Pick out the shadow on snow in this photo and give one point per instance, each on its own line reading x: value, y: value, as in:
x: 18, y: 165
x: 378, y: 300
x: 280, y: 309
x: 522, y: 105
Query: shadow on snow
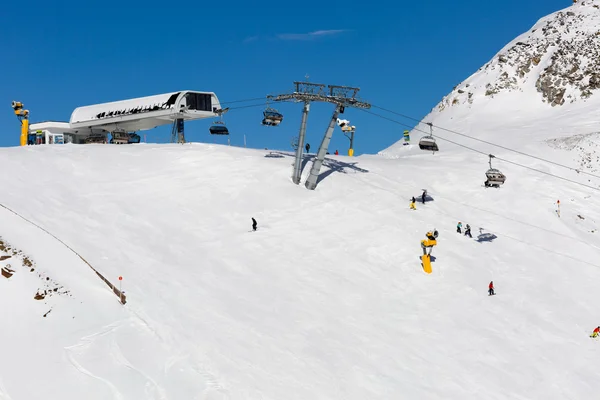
x: 333, y: 165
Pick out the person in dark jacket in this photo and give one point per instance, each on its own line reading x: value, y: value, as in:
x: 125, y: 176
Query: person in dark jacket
x: 423, y: 196
x: 468, y: 231
x: 254, y: 224
x: 307, y: 147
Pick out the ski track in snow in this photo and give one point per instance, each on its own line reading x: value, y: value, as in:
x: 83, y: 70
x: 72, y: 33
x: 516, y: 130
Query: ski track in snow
x: 84, y: 344
x: 213, y: 383
x: 3, y: 392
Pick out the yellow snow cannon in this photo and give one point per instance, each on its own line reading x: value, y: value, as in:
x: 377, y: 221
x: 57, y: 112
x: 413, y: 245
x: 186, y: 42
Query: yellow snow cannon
x: 428, y: 244
x: 23, y: 116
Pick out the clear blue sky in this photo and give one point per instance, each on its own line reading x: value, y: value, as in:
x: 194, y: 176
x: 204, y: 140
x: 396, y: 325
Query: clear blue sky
x: 403, y: 55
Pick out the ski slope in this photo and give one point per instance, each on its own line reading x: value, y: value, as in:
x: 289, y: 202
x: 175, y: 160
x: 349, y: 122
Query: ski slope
x: 327, y: 300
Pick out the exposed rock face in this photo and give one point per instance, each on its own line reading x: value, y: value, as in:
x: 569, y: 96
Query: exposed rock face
x: 559, y: 58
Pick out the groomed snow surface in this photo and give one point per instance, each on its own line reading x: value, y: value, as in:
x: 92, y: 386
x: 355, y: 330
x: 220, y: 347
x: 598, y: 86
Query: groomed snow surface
x: 327, y: 300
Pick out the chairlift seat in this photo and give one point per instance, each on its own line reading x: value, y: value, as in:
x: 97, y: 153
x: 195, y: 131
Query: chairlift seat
x: 428, y: 143
x: 218, y: 128
x: 272, y: 117
x: 494, y: 176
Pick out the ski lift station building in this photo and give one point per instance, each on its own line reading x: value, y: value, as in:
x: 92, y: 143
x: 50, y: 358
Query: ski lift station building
x: 139, y: 114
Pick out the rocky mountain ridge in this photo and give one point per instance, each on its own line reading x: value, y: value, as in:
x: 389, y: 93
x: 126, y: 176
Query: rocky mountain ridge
x: 559, y: 58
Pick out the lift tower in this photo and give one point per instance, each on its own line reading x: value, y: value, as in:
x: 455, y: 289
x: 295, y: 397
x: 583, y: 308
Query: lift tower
x: 23, y: 116
x: 306, y: 92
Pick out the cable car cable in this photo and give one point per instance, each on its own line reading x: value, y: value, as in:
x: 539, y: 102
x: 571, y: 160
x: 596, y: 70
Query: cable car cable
x: 490, y: 143
x: 487, y: 154
x: 243, y: 101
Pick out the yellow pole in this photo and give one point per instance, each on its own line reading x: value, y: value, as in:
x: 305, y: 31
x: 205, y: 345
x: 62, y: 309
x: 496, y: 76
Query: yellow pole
x: 350, y: 152
x: 24, y: 131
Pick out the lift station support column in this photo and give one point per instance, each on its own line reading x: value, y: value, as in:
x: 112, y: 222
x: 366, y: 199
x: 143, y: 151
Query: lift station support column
x: 178, y: 131
x: 311, y: 182
x: 341, y: 96
x: 299, y: 151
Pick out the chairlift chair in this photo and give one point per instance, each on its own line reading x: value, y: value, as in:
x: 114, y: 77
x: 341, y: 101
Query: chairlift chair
x: 494, y: 176
x: 272, y: 117
x: 218, y: 128
x: 427, y: 142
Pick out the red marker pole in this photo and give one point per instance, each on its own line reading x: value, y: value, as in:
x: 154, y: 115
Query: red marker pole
x: 120, y: 291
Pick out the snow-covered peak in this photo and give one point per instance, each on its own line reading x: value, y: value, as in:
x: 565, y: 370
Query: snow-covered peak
x: 559, y: 57
x: 551, y: 72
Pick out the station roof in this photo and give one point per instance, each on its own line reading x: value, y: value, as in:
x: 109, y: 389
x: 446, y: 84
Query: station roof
x: 148, y: 112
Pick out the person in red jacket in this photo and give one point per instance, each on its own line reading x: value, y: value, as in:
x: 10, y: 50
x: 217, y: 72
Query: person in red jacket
x: 596, y: 332
x: 491, y: 288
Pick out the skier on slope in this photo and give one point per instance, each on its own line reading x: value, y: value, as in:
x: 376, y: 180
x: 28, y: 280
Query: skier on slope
x: 423, y: 196
x: 412, y: 203
x: 459, y: 227
x: 254, y: 224
x: 491, y: 288
x: 468, y: 231
x: 596, y: 332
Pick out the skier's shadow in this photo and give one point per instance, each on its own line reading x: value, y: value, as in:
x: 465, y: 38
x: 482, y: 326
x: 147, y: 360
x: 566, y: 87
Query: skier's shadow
x: 427, y: 198
x: 486, y: 237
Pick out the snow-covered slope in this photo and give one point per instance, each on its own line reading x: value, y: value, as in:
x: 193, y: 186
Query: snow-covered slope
x: 551, y: 72
x: 327, y: 300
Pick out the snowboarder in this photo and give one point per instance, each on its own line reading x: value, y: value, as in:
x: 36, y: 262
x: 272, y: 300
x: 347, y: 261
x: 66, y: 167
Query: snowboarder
x: 468, y: 231
x: 412, y: 203
x: 423, y: 196
x: 307, y: 147
x: 596, y: 332
x: 459, y: 227
x: 254, y: 224
x: 491, y: 288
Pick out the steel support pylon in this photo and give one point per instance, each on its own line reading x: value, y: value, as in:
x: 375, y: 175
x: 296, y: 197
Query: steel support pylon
x: 311, y: 182
x: 296, y: 176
